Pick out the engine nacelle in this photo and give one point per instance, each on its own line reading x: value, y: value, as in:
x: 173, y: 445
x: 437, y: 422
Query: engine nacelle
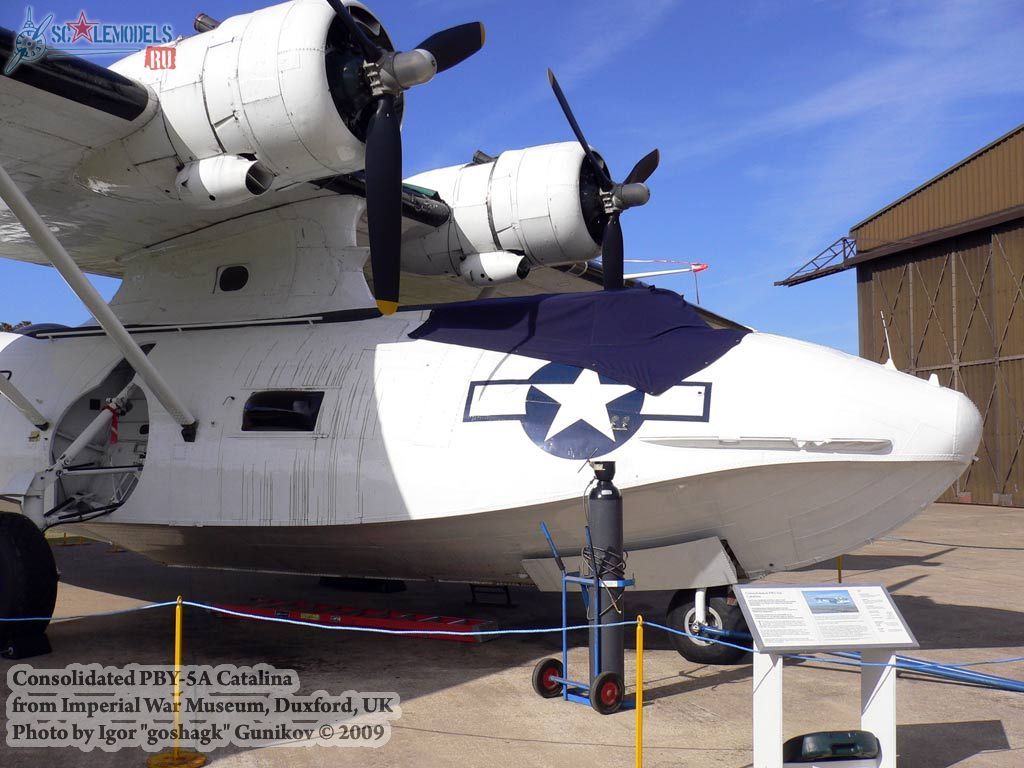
x: 224, y: 180
x: 540, y: 202
x: 281, y: 85
x: 484, y: 269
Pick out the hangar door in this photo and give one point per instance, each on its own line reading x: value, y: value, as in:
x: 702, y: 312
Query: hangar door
x: 955, y: 308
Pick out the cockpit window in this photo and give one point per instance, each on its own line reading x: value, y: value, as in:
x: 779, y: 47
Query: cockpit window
x: 282, y: 411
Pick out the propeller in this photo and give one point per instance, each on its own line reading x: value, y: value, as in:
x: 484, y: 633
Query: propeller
x: 616, y: 197
x: 388, y: 74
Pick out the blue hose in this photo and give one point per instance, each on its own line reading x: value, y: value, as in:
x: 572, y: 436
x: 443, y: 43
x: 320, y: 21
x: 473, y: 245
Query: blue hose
x: 934, y: 669
x: 732, y: 635
x: 906, y: 663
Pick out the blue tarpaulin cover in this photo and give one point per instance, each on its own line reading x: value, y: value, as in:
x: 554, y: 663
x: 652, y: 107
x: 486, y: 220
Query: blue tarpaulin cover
x: 648, y: 338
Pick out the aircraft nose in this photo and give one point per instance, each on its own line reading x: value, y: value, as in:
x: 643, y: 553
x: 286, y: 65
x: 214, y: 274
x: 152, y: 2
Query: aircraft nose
x: 818, y: 393
x: 967, y: 428
x: 927, y: 420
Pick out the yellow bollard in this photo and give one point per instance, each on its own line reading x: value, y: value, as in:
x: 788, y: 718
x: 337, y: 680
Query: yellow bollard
x: 177, y: 758
x: 177, y: 676
x: 639, y: 691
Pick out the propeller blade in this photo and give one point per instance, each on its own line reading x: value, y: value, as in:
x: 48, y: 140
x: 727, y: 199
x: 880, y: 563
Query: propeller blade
x: 371, y: 51
x: 612, y: 255
x: 642, y: 170
x: 384, y: 202
x: 602, y: 174
x: 456, y: 44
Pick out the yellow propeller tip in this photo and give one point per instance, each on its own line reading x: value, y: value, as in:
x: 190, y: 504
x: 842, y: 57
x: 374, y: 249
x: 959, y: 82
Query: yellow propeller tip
x: 387, y: 307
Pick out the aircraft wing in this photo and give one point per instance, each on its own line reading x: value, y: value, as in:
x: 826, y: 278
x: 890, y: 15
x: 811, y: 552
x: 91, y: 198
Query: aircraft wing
x: 57, y: 111
x: 53, y: 113
x: 421, y: 290
x: 418, y: 290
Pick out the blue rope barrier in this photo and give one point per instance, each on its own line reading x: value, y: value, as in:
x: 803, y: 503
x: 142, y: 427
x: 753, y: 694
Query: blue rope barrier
x: 63, y: 619
x: 935, y: 669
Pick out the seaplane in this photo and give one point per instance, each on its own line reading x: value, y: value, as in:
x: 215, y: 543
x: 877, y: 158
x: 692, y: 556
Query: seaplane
x: 316, y: 366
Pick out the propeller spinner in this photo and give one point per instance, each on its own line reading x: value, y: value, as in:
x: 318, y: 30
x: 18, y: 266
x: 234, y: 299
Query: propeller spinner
x: 388, y: 73
x: 616, y: 197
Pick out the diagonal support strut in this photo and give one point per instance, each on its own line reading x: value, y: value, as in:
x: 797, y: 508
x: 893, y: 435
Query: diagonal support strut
x: 21, y: 403
x: 90, y: 297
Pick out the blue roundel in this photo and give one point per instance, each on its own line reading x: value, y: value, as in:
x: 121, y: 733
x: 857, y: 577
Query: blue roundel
x: 576, y: 413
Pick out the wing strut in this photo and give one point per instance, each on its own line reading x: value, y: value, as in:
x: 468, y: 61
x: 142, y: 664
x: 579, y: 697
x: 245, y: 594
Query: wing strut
x: 22, y: 403
x: 75, y: 278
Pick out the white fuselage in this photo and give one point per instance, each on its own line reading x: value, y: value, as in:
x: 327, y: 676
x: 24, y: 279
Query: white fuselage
x: 428, y: 460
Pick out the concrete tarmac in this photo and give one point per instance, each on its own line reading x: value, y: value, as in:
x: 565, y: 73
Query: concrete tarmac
x: 956, y: 573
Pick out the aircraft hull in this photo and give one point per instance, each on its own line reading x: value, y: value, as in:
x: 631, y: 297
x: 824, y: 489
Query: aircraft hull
x: 777, y: 517
x: 438, y: 461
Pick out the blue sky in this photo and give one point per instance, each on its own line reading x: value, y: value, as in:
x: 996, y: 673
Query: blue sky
x: 780, y: 124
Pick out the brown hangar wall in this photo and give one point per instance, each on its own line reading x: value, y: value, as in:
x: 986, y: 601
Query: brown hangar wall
x: 984, y: 187
x: 944, y: 265
x: 955, y: 308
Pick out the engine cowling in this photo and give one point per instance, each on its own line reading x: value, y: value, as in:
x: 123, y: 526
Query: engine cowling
x: 282, y: 85
x: 541, y: 203
x: 224, y: 180
x: 484, y: 269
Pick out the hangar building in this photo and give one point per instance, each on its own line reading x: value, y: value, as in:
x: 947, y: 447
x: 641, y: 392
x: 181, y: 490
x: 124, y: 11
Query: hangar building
x: 943, y: 268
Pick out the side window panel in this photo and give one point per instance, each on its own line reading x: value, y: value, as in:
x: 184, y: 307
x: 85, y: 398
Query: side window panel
x: 282, y: 411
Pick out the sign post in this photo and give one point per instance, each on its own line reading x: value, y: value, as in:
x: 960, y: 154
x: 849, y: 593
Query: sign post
x: 878, y: 701
x: 809, y: 619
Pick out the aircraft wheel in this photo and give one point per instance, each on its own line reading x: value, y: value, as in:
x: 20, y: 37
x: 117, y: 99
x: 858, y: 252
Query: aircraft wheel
x: 682, y: 615
x: 606, y: 693
x: 543, y: 673
x: 28, y: 586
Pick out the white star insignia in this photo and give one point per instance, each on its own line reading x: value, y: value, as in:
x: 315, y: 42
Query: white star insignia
x: 586, y: 400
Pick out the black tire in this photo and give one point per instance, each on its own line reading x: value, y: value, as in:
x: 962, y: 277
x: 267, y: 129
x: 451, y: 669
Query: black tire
x: 722, y: 613
x: 542, y: 674
x: 28, y: 586
x: 606, y: 693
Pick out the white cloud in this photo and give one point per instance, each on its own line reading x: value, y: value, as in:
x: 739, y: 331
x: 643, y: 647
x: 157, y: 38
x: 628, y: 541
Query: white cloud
x: 611, y: 31
x: 942, y: 54
x: 633, y: 21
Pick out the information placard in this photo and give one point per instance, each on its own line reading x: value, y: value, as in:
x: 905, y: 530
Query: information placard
x: 792, y: 617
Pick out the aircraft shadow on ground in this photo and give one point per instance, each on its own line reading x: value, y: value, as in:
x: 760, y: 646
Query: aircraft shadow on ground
x: 334, y: 661
x: 865, y: 564
x: 941, y: 745
x: 938, y: 625
x: 947, y: 626
x: 328, y: 660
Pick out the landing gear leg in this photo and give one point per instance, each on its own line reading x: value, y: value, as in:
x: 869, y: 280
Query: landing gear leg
x: 720, y: 611
x: 28, y: 587
x: 700, y: 605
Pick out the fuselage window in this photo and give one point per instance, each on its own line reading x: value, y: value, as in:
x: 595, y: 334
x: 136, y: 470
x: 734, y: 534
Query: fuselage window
x: 282, y: 411
x: 233, y: 279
